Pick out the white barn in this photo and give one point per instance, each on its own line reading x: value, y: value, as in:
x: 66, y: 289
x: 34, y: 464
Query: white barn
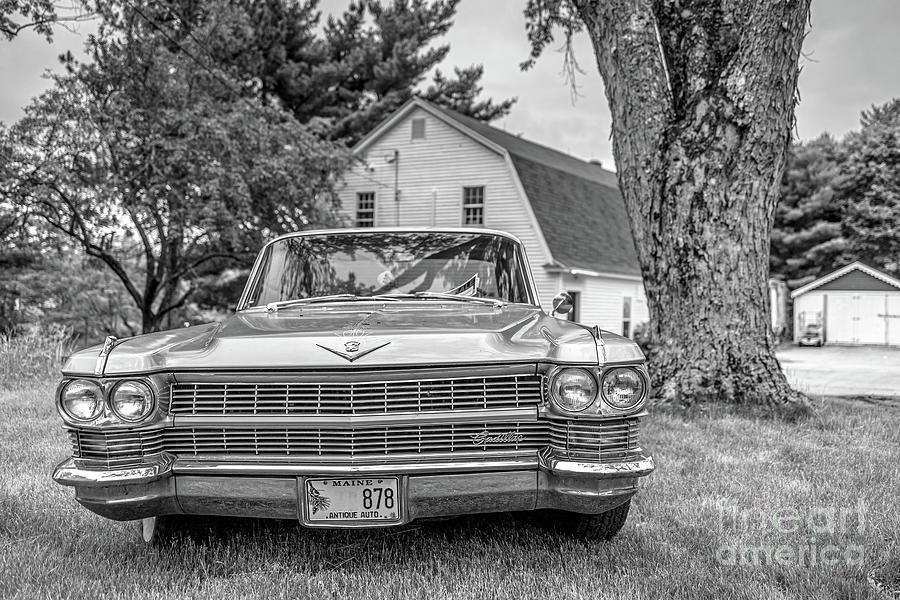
x: 430, y: 166
x: 854, y: 305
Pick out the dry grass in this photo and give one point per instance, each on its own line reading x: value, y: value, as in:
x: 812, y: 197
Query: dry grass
x: 34, y: 355
x: 720, y: 480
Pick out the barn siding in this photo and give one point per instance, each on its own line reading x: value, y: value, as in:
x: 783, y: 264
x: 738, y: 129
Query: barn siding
x: 603, y: 300
x: 432, y: 174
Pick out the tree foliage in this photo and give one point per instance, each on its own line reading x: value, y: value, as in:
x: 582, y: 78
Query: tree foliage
x: 63, y: 288
x: 198, y: 129
x: 41, y: 16
x: 346, y: 74
x: 156, y: 167
x: 807, y: 239
x: 870, y: 188
x: 839, y: 201
x: 18, y: 15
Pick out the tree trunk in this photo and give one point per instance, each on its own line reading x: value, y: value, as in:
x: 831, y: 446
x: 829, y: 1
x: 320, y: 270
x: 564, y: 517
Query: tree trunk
x: 702, y: 98
x: 149, y: 320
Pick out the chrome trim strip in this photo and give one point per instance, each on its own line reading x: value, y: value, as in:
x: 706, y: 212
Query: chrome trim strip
x: 356, y: 375
x: 211, y: 466
x: 407, y: 418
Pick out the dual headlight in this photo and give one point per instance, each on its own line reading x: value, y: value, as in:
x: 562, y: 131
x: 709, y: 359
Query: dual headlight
x: 83, y: 400
x: 574, y: 389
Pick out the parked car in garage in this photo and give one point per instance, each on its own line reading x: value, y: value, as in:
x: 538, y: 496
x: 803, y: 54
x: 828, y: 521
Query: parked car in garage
x: 812, y: 336
x: 369, y: 378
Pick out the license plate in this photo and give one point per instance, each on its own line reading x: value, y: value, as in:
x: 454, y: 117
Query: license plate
x: 357, y: 499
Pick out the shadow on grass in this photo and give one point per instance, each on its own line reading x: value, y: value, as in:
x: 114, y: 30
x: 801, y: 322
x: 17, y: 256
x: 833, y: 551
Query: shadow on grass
x: 263, y: 534
x: 450, y: 543
x: 453, y: 544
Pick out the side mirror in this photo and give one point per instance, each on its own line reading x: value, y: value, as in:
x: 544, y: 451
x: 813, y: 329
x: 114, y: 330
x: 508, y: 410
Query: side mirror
x: 563, y: 303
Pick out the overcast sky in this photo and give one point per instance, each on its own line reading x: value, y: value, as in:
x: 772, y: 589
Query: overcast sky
x: 852, y: 61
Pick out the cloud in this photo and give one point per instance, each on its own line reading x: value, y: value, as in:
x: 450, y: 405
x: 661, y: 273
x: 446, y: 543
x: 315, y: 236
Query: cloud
x: 851, y: 49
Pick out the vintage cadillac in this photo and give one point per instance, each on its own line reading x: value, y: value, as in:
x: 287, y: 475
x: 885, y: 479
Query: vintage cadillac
x: 368, y: 378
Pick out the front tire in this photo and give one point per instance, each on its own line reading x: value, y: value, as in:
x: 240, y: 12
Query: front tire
x: 161, y: 530
x: 601, y: 527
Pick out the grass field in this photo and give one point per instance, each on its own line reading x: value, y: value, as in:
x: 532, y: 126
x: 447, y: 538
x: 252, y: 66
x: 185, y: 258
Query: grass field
x: 738, y: 508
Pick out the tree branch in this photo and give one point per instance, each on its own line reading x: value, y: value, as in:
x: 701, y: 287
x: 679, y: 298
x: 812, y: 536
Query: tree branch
x: 181, y: 301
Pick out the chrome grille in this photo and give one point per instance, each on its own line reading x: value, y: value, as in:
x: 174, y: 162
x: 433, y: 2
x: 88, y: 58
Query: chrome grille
x: 356, y: 442
x: 602, y: 441
x: 355, y: 397
x: 115, y: 449
x: 609, y: 440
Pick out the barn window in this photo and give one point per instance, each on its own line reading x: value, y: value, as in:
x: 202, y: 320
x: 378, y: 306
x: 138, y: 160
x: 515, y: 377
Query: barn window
x: 473, y: 205
x: 626, y: 316
x: 365, y: 209
x: 418, y: 129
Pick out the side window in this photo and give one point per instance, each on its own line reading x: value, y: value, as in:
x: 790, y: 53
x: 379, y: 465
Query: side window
x: 473, y: 205
x: 575, y: 313
x: 418, y: 129
x: 626, y: 316
x: 365, y: 209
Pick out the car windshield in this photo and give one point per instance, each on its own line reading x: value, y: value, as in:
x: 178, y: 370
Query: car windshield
x: 359, y: 265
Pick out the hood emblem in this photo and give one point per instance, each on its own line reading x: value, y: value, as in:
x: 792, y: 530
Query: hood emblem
x: 352, y: 350
x: 352, y: 338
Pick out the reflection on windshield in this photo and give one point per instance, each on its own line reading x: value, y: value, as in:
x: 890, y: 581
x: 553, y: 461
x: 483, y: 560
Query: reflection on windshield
x: 378, y: 263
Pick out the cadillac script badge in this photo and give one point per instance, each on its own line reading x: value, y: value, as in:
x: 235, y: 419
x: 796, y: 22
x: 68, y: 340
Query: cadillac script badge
x: 485, y: 437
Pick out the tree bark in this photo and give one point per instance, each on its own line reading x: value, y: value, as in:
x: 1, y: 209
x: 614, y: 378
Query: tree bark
x: 702, y: 95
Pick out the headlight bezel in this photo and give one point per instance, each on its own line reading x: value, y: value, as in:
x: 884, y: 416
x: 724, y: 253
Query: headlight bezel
x: 67, y: 414
x: 114, y: 390
x: 108, y: 417
x: 553, y: 395
x: 642, y: 398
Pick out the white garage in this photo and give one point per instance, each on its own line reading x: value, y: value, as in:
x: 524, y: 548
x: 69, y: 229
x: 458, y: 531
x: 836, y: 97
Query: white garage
x: 854, y: 305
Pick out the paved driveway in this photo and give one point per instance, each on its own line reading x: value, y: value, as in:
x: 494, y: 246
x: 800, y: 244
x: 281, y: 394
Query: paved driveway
x: 843, y: 370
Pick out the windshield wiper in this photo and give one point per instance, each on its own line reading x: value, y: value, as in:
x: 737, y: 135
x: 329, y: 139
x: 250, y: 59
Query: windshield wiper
x: 274, y: 306
x: 449, y: 296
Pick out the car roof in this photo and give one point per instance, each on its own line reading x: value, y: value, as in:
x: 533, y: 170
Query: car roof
x: 364, y: 230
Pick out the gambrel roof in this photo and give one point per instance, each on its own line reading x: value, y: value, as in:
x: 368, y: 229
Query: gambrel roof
x: 576, y: 203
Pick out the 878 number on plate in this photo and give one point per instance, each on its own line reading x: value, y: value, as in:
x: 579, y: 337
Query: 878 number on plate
x: 357, y: 499
x: 372, y: 498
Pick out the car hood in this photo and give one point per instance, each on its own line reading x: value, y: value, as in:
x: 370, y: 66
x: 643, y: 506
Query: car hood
x: 349, y: 335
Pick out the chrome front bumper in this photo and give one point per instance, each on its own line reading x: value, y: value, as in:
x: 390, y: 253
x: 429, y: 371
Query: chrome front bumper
x: 164, y: 484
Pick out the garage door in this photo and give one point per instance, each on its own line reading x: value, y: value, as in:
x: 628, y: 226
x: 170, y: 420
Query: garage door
x: 871, y: 326
x: 893, y: 319
x: 840, y: 325
x: 857, y: 319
